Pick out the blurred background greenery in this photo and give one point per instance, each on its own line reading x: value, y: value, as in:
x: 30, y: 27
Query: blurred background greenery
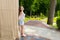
x: 38, y: 10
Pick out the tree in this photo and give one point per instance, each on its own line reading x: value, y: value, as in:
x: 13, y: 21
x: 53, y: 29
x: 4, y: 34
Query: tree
x: 21, y: 2
x: 27, y: 6
x: 51, y: 11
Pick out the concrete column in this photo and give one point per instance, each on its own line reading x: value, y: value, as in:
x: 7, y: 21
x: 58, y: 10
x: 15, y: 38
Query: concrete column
x: 8, y: 19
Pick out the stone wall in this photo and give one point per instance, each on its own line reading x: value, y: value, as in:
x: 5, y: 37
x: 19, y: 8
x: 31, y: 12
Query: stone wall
x: 8, y: 19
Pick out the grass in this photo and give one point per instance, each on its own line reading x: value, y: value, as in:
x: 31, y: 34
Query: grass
x: 33, y: 18
x: 54, y: 23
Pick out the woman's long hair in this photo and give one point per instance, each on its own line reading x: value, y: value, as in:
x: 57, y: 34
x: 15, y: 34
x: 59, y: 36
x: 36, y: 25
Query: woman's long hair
x: 20, y: 9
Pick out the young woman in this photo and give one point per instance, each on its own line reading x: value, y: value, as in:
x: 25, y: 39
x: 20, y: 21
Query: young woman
x: 21, y: 18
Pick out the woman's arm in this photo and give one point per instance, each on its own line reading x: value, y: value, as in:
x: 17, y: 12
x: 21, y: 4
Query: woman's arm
x: 20, y: 16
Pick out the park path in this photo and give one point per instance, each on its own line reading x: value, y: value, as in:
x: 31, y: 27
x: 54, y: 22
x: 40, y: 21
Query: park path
x: 42, y: 30
x: 38, y: 30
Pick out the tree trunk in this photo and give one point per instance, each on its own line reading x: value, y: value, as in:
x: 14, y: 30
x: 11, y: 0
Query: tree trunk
x: 30, y: 13
x: 51, y: 12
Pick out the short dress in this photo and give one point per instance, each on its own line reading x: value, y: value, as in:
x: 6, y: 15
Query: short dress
x: 21, y: 20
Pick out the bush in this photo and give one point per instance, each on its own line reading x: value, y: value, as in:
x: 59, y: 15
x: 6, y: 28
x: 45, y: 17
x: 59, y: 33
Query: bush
x: 58, y: 23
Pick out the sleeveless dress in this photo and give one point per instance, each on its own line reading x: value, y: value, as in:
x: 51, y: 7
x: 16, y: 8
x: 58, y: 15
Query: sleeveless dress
x: 21, y: 20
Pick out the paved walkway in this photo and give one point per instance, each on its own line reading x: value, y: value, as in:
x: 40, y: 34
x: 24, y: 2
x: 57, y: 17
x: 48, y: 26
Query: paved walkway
x: 37, y: 24
x: 37, y: 30
x: 42, y: 32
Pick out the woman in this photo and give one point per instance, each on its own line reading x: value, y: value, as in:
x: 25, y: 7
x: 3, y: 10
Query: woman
x: 21, y: 18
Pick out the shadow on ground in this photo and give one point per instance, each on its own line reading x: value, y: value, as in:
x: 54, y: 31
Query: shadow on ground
x: 29, y: 37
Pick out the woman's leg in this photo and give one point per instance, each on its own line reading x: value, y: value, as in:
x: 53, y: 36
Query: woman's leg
x: 19, y: 31
x: 22, y: 30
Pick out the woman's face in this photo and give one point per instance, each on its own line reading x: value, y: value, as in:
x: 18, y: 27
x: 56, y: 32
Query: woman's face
x: 21, y: 8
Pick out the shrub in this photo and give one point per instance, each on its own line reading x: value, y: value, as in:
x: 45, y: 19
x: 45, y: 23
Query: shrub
x: 58, y: 23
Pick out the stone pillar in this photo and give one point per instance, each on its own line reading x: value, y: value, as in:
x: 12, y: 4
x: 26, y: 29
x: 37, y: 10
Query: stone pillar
x: 8, y: 19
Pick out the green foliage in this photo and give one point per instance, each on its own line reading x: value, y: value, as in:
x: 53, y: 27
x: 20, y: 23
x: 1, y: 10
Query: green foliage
x: 58, y: 12
x: 39, y: 18
x: 35, y: 7
x: 20, y: 2
x: 57, y: 7
x: 40, y: 6
x: 58, y: 22
x: 27, y: 6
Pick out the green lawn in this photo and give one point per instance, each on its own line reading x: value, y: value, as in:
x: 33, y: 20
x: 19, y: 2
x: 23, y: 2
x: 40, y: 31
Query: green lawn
x: 33, y: 18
